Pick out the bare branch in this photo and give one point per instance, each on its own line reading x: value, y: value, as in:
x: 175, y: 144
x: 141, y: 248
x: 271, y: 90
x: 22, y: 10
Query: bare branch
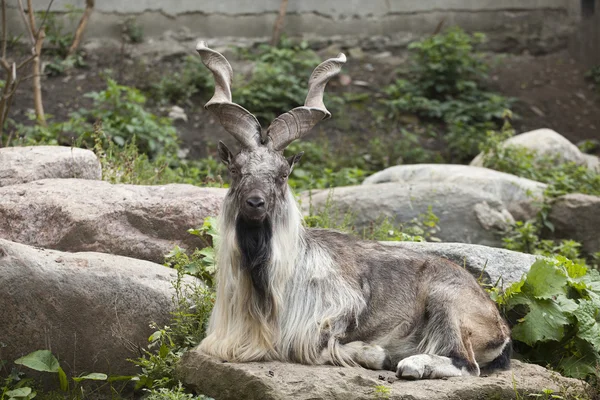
x: 279, y: 23
x: 26, y: 61
x: 3, y: 29
x: 28, y: 28
x: 37, y: 82
x: 4, y: 64
x: 89, y: 6
x: 42, y: 25
x: 31, y: 18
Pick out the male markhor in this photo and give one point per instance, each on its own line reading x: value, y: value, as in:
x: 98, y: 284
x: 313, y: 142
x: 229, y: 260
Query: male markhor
x: 316, y: 296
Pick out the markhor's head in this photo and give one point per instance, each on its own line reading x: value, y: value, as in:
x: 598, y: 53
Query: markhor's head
x: 259, y: 171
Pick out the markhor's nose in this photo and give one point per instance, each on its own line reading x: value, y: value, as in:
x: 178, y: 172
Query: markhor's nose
x: 255, y: 202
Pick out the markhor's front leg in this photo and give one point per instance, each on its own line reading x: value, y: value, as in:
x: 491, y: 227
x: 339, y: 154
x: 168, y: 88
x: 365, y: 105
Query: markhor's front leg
x: 430, y: 366
x: 357, y: 353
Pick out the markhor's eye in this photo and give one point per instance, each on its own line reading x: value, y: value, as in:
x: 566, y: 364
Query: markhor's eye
x: 233, y: 171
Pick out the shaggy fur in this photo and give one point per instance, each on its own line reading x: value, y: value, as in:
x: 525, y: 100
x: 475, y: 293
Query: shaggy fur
x: 317, y: 296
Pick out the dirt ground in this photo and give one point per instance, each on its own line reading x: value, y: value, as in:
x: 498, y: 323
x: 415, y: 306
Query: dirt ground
x: 550, y: 89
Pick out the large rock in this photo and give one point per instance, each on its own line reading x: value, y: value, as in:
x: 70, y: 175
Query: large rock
x: 490, y: 264
x: 279, y: 381
x: 26, y: 164
x: 466, y: 214
x: 545, y: 142
x: 92, y: 310
x: 577, y: 216
x: 520, y: 196
x: 592, y: 162
x: 142, y: 222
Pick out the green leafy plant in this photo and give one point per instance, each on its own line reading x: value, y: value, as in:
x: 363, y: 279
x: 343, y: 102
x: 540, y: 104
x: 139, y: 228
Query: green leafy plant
x: 193, y: 303
x: 132, y: 30
x: 127, y: 165
x: 278, y: 82
x: 179, y: 87
x: 45, y: 361
x: 593, y: 75
x: 555, y: 310
x: 444, y: 88
x: 381, y: 392
x: 123, y: 115
x: 177, y: 393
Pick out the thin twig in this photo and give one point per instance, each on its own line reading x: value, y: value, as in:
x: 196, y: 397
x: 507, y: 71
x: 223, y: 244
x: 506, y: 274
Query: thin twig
x: 26, y: 22
x: 26, y: 61
x: 31, y: 18
x: 44, y: 19
x: 3, y: 29
x: 89, y: 6
x: 4, y: 64
x: 279, y: 23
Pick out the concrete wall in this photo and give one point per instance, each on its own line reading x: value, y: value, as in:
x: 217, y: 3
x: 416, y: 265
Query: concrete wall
x: 584, y: 45
x: 530, y: 20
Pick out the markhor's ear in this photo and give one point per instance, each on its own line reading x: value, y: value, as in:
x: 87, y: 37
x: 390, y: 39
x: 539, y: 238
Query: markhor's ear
x: 225, y: 154
x: 293, y: 160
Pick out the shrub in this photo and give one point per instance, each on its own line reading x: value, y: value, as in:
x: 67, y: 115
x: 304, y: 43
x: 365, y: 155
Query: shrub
x: 279, y: 80
x: 554, y: 310
x: 445, y: 89
x: 193, y: 305
x: 127, y: 165
x: 179, y: 87
x: 593, y: 75
x: 121, y: 110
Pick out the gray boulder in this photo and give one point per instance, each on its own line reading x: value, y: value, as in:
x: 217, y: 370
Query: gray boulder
x: 278, y: 381
x: 519, y: 196
x: 577, y: 216
x: 466, y: 214
x: 545, y: 142
x: 489, y: 264
x: 92, y: 310
x: 593, y: 162
x: 26, y: 164
x: 143, y: 222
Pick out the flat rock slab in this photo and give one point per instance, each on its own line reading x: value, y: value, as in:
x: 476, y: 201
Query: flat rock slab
x: 491, y: 264
x: 32, y: 163
x: 92, y: 310
x: 278, y: 381
x: 143, y: 222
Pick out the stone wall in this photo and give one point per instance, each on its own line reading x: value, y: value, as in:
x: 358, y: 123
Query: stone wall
x: 509, y: 23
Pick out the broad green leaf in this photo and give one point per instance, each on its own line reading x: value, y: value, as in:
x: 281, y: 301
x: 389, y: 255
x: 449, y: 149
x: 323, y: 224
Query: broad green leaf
x: 163, y: 351
x: 567, y: 305
x: 62, y: 378
x: 118, y: 378
x: 587, y: 317
x: 582, y: 361
x: 19, y: 393
x: 592, y: 282
x: 41, y: 360
x: 155, y: 336
x: 544, y: 321
x: 545, y: 280
x: 512, y: 291
x: 94, y: 376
